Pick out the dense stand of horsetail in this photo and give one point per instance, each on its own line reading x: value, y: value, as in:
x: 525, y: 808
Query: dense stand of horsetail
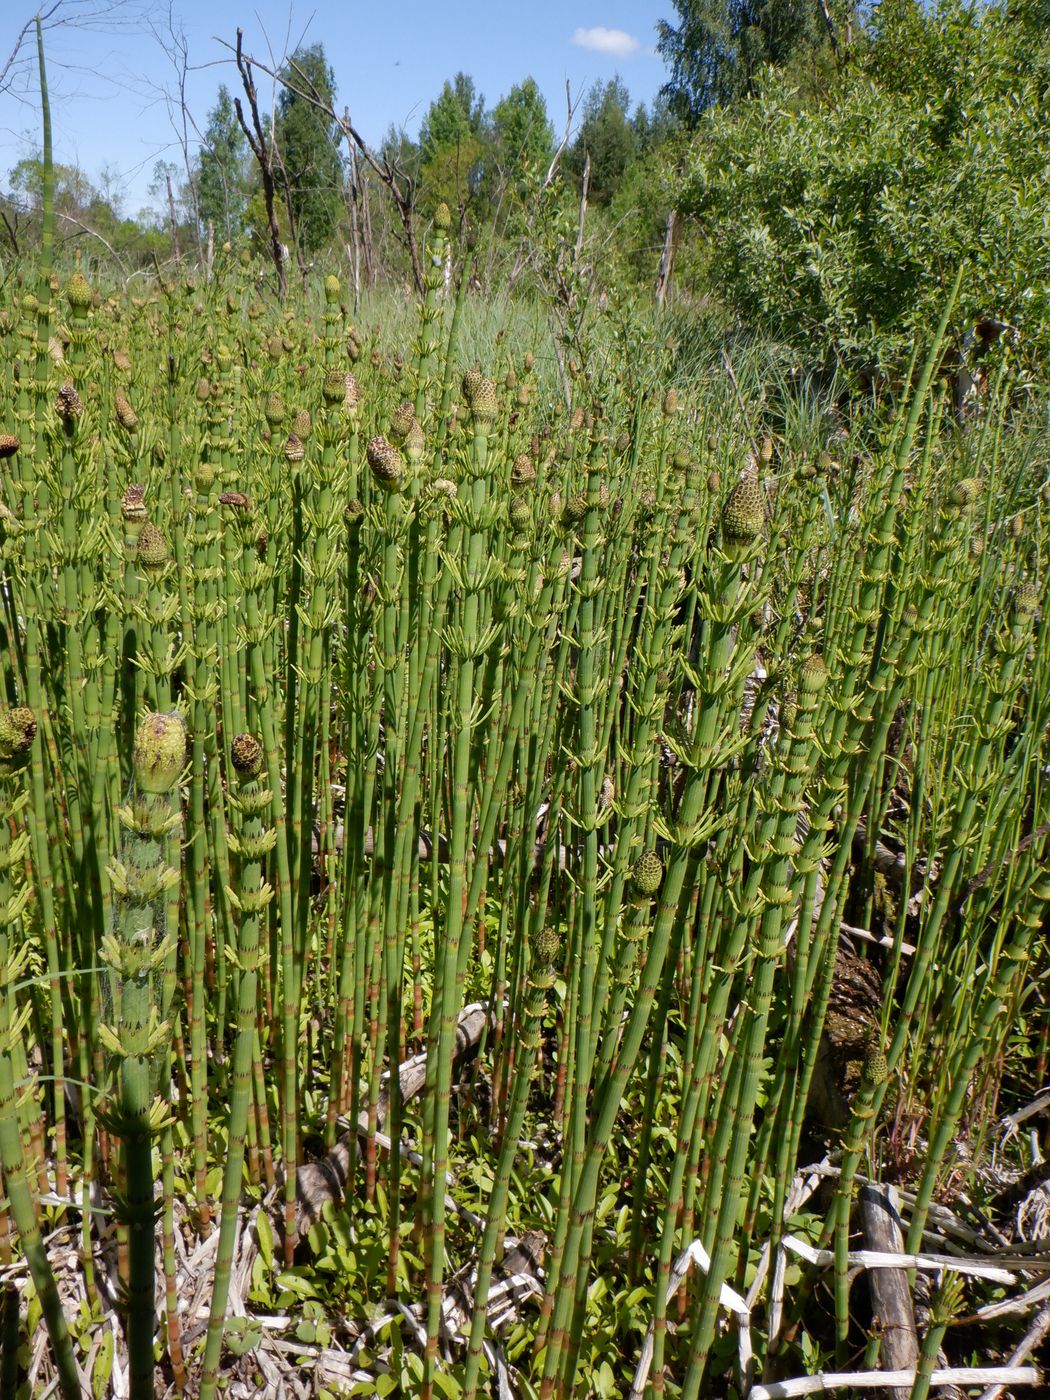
x: 352, y: 693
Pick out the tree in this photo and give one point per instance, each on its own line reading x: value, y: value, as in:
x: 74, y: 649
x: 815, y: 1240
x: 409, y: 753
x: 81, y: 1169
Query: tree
x: 835, y: 226
x: 398, y: 182
x: 453, y: 143
x: 307, y: 145
x: 655, y: 125
x: 523, y: 135
x: 222, y: 177
x: 607, y: 136
x: 718, y: 47
x: 84, y: 214
x: 455, y: 116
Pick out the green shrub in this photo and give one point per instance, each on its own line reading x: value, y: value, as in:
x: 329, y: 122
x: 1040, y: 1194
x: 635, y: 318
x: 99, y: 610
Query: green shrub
x: 837, y: 225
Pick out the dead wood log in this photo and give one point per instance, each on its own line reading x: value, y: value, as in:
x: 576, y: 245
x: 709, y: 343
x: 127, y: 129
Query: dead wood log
x: 890, y: 1295
x: 317, y: 1183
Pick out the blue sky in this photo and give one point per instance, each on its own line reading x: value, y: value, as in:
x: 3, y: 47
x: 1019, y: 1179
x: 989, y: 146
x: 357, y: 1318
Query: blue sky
x: 113, y: 84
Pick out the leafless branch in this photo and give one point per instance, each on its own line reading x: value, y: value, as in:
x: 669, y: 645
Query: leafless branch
x: 12, y: 229
x: 398, y: 182
x: 94, y: 233
x: 570, y: 113
x: 260, y: 149
x: 176, y: 46
x: 81, y: 14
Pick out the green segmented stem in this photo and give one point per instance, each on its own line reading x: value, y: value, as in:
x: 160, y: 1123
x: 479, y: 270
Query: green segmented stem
x: 16, y: 735
x: 136, y: 953
x: 254, y: 840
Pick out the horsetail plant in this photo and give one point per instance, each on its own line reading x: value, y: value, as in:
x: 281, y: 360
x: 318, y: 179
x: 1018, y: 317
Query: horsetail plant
x: 252, y: 844
x: 135, y: 954
x: 17, y: 730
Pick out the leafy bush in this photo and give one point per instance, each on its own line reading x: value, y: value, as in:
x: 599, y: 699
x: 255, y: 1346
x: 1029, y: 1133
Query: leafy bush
x: 837, y: 225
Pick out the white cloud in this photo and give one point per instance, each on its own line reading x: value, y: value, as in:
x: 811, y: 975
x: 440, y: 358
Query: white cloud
x: 617, y: 43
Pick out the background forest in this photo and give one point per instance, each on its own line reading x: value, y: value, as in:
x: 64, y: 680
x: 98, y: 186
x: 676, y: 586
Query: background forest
x: 810, y: 174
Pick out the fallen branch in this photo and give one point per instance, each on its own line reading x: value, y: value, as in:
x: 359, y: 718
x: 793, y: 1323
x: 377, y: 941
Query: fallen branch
x: 876, y: 1259
x: 821, y: 1383
x: 1028, y: 1343
x: 325, y: 1180
x: 1023, y: 1303
x: 729, y: 1299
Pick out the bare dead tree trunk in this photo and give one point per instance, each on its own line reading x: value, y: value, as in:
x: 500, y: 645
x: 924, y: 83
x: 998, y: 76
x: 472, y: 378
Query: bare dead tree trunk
x: 367, y: 240
x: 584, y: 186
x: 353, y: 210
x: 174, y: 224
x: 211, y: 248
x: 172, y: 39
x: 12, y: 230
x: 570, y: 112
x: 398, y: 182
x: 260, y: 150
x: 831, y: 29
x: 293, y: 222
x: 663, y: 276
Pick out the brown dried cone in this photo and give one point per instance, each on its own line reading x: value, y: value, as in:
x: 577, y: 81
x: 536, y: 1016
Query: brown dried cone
x: 401, y: 421
x: 17, y: 730
x: 522, y: 473
x: 9, y: 445
x: 351, y: 393
x: 246, y: 755
x: 133, y: 503
x: 69, y: 403
x: 386, y: 462
x: 670, y: 404
x: 126, y: 415
x: 294, y: 450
